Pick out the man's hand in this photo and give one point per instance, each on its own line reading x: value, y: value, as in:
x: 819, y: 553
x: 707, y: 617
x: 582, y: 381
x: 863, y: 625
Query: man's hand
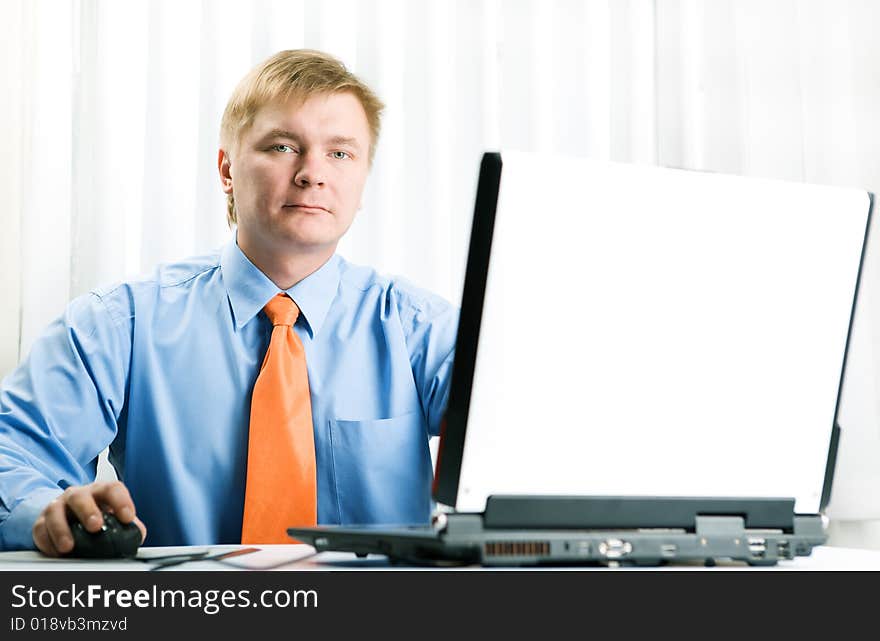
x: 51, y: 531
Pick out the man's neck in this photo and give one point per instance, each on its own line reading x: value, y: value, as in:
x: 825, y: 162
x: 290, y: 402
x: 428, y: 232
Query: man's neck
x: 285, y: 268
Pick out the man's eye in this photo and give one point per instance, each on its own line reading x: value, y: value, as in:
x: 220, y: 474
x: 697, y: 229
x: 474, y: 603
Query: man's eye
x: 286, y: 149
x: 339, y: 155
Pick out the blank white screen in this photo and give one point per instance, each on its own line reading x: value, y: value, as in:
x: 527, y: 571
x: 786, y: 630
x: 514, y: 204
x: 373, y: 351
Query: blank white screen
x: 653, y: 331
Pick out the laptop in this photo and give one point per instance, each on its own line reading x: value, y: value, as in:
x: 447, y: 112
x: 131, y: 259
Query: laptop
x: 648, y: 370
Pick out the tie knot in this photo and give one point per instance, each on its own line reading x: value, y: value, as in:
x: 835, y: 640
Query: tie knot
x: 281, y: 310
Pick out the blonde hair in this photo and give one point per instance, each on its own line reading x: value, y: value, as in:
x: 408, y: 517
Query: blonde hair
x: 294, y: 73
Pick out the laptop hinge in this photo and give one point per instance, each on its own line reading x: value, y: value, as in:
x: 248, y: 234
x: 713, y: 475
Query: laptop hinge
x: 632, y: 512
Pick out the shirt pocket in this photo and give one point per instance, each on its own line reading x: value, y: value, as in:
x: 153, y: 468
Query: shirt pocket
x: 382, y: 469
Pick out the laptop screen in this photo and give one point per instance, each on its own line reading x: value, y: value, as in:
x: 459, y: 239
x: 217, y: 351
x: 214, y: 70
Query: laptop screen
x: 639, y: 331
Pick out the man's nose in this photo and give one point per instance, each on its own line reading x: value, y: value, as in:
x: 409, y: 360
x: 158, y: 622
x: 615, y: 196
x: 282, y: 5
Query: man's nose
x: 310, y: 171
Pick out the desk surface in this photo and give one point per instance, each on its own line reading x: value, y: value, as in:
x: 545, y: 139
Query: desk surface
x: 303, y: 557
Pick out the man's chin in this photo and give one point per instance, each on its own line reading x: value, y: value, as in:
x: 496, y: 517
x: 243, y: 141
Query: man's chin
x: 299, y: 242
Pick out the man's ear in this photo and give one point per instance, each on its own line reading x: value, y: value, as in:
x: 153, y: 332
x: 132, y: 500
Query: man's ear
x: 225, y: 168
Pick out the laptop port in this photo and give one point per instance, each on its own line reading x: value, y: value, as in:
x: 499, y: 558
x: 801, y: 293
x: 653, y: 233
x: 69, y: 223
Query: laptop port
x: 615, y: 548
x: 757, y: 547
x: 579, y: 548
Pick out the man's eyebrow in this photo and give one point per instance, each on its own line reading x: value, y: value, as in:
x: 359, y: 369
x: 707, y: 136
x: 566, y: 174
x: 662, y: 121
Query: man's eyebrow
x: 343, y: 140
x: 333, y: 140
x: 280, y: 133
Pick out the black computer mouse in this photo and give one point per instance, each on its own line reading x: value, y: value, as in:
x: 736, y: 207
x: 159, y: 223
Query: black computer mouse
x: 113, y: 540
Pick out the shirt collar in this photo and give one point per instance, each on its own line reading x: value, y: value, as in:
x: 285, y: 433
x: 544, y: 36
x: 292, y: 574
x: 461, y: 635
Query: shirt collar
x: 249, y: 289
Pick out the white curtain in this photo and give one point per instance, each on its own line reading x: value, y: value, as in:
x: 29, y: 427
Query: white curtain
x: 110, y: 110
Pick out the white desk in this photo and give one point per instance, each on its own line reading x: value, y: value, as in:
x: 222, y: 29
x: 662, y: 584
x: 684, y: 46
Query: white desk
x: 302, y: 557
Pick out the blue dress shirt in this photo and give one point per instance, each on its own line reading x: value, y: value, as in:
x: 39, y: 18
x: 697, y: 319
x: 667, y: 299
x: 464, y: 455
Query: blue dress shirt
x: 161, y: 370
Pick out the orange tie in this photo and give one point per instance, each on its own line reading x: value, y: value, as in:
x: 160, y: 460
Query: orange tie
x: 280, y: 491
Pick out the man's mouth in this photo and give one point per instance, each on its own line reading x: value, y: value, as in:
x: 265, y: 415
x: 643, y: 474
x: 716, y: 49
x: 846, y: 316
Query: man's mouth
x: 309, y: 207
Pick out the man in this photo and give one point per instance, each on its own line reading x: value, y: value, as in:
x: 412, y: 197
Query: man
x: 269, y: 385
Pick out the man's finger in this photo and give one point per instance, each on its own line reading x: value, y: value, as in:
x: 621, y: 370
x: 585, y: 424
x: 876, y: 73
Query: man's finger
x: 56, y: 524
x: 83, y: 506
x: 41, y: 537
x: 116, y: 497
x: 142, y: 528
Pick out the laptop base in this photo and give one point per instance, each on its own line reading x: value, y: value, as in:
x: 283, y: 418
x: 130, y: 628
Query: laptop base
x: 719, y: 530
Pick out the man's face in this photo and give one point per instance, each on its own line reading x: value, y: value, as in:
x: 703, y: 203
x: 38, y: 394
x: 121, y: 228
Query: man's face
x: 298, y: 173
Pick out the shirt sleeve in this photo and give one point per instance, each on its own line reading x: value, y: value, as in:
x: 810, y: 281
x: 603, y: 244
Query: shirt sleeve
x: 431, y: 327
x: 58, y: 410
